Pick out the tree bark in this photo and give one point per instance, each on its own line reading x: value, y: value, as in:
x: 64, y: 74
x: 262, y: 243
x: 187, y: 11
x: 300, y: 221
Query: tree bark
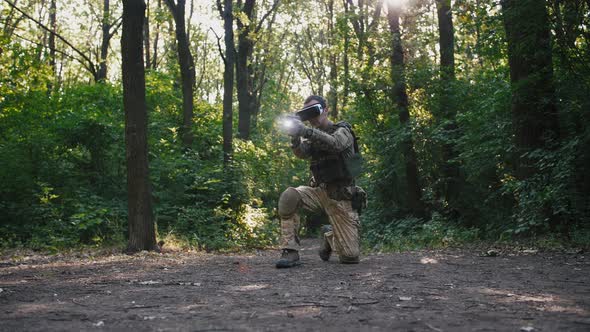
x: 155, y: 58
x: 400, y: 98
x: 104, y: 46
x: 146, y: 37
x: 228, y: 81
x: 53, y: 27
x: 142, y: 235
x: 346, y: 85
x: 187, y: 69
x: 333, y: 76
x: 451, y: 175
x: 446, y: 40
x: 246, y: 100
x: 51, y: 44
x: 534, y: 112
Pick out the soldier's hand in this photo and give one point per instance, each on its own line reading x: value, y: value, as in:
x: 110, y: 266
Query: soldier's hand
x: 295, y: 141
x: 294, y: 127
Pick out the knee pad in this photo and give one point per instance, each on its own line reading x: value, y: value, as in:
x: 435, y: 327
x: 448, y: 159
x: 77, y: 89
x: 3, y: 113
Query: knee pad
x: 289, y: 202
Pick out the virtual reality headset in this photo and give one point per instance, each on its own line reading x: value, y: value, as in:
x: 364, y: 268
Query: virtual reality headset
x: 310, y: 112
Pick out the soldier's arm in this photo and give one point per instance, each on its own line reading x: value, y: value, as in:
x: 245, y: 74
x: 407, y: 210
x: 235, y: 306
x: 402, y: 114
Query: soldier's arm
x: 337, y: 142
x: 301, y: 149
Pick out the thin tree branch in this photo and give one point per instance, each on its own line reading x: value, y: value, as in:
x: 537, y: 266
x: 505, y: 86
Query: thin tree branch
x: 118, y: 22
x: 218, y: 44
x: 271, y: 10
x: 58, y: 51
x: 90, y: 65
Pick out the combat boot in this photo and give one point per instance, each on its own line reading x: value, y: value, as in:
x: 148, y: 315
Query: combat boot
x: 349, y: 260
x: 289, y: 258
x: 325, y: 248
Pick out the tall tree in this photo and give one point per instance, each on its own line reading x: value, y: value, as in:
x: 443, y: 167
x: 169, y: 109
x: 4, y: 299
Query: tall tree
x: 142, y: 234
x: 245, y: 22
x: 346, y: 63
x: 333, y: 76
x: 107, y: 33
x: 146, y: 36
x: 155, y: 58
x: 246, y: 77
x: 51, y: 43
x: 365, y: 25
x: 53, y: 27
x: 450, y: 170
x: 226, y: 12
x: 399, y: 97
x: 187, y: 68
x: 534, y: 112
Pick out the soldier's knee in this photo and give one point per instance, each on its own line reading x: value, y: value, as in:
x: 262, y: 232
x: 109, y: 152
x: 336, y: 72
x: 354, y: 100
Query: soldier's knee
x: 289, y: 202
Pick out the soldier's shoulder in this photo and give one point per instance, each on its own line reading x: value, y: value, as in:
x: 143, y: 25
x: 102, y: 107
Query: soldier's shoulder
x: 343, y: 124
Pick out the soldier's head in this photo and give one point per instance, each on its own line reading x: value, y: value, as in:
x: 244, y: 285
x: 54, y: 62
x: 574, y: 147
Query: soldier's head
x: 321, y: 120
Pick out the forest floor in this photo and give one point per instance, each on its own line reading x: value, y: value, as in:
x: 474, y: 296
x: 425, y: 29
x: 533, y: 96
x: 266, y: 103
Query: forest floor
x: 429, y: 290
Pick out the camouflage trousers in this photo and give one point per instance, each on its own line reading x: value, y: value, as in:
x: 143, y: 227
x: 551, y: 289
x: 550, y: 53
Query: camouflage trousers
x: 344, y: 237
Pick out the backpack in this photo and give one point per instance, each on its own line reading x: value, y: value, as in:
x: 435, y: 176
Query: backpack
x: 354, y: 164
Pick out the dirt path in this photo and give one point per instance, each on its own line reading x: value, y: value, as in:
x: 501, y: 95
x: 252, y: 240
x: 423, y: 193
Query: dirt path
x: 450, y: 290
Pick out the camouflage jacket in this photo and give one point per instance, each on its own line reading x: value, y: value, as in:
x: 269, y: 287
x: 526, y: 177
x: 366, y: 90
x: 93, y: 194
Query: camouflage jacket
x: 328, y: 149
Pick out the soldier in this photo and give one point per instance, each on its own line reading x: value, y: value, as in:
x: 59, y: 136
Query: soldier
x: 331, y: 148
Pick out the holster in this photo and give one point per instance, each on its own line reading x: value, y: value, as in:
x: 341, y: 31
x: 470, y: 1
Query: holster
x: 359, y: 199
x: 338, y: 191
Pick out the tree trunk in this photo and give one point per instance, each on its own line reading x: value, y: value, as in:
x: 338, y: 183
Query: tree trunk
x: 104, y: 46
x: 155, y: 58
x: 333, y: 76
x: 146, y: 37
x: 53, y: 27
x: 142, y: 234
x: 51, y: 44
x: 187, y: 69
x: 534, y: 113
x: 345, y: 60
x: 228, y: 81
x: 246, y: 101
x: 451, y: 175
x: 446, y: 40
x: 400, y: 99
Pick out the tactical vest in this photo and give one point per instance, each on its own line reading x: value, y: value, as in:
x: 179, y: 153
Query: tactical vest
x: 329, y: 166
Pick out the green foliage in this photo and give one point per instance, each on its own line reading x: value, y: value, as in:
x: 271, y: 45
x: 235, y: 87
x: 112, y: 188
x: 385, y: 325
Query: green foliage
x: 412, y: 233
x: 544, y: 201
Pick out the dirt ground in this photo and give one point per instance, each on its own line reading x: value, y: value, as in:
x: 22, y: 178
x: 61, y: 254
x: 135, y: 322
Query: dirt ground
x: 448, y: 290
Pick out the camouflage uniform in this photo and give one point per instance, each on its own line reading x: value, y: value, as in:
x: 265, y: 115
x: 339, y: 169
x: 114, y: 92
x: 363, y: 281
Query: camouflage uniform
x: 331, y: 192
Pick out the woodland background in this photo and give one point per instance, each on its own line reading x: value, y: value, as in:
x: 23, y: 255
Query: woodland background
x: 472, y: 116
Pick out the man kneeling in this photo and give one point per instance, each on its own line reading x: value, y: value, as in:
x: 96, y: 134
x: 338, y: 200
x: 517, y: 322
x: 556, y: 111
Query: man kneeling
x: 331, y: 148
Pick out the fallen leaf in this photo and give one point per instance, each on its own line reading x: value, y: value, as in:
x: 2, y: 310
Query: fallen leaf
x: 491, y: 253
x: 99, y: 323
x: 527, y: 329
